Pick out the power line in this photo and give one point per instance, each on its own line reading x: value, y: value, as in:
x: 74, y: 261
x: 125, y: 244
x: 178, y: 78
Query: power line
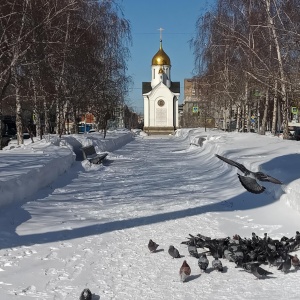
x: 164, y: 33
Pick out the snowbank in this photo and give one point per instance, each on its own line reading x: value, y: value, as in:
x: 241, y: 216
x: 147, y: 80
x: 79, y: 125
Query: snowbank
x: 27, y: 168
x: 266, y: 149
x: 31, y: 167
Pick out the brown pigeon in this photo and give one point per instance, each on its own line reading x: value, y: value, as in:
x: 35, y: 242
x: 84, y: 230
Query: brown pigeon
x: 295, y: 261
x: 185, y: 271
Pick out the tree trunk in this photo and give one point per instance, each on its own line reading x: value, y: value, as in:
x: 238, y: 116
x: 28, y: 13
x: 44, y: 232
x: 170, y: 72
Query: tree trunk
x: 247, y: 108
x: 238, y: 117
x: 19, y: 124
x: 275, y: 108
x: 264, y: 119
x: 281, y: 71
x: 46, y: 117
x: 36, y: 111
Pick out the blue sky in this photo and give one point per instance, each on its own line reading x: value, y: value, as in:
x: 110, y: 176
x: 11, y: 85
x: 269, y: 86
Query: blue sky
x: 178, y: 19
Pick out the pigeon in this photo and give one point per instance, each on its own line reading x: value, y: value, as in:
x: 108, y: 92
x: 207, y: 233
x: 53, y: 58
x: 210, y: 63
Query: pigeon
x: 255, y: 237
x: 238, y: 257
x: 217, y: 265
x: 193, y: 251
x: 85, y: 295
x: 286, y: 264
x: 259, y: 272
x: 203, y: 262
x: 185, y: 271
x: 297, y: 236
x: 174, y: 252
x: 297, y: 239
x: 295, y: 262
x: 271, y: 258
x: 249, y: 179
x: 152, y: 246
x: 256, y: 270
x: 228, y: 255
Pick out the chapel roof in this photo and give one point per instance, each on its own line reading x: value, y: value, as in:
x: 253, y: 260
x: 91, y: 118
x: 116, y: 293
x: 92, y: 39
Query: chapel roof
x: 161, y: 58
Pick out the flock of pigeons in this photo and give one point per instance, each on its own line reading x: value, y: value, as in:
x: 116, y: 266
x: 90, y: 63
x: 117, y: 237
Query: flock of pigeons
x: 249, y: 179
x: 250, y: 254
x: 185, y: 270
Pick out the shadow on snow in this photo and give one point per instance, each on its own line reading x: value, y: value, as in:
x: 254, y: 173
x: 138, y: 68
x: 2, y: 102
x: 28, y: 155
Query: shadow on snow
x: 244, y: 201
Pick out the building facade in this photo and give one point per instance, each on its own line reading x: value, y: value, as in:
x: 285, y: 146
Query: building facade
x: 197, y: 110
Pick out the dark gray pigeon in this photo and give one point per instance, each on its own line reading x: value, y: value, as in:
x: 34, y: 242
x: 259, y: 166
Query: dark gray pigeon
x: 297, y: 238
x: 217, y: 265
x: 256, y: 270
x: 85, y: 295
x: 286, y: 264
x: 203, y: 262
x: 271, y: 258
x: 259, y: 272
x: 174, y: 252
x: 249, y: 179
x: 152, y: 246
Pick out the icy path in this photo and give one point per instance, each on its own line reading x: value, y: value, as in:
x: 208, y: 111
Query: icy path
x: 92, y: 228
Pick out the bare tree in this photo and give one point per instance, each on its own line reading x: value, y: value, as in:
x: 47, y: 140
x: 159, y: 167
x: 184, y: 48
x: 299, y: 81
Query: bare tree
x: 247, y: 47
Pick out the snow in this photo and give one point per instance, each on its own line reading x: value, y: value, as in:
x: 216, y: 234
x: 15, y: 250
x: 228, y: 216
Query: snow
x: 66, y: 225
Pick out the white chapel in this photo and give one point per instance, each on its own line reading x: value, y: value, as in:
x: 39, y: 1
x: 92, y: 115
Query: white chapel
x: 160, y: 96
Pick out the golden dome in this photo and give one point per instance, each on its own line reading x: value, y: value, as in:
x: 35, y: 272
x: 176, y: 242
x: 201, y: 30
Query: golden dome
x: 161, y: 58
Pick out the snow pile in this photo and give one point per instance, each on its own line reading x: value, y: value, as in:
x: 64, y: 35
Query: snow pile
x: 113, y: 140
x: 27, y: 168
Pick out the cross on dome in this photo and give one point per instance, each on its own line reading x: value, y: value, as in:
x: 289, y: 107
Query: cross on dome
x: 160, y: 34
x: 161, y: 58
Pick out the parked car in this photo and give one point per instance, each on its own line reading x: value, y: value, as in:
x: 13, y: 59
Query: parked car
x: 26, y: 135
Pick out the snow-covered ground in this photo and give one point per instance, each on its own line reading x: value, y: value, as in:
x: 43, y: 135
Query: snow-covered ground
x: 66, y: 225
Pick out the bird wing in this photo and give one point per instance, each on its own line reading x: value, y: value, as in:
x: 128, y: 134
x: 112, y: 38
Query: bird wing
x: 265, y: 177
x: 251, y: 184
x: 233, y: 163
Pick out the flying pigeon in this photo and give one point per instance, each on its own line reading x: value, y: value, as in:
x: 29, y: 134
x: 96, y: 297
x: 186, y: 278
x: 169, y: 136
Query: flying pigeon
x: 152, y: 246
x: 185, y: 271
x: 85, y: 295
x: 174, y: 252
x: 203, y: 262
x: 249, y: 179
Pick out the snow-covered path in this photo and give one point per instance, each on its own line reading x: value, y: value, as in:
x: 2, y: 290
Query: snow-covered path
x: 92, y: 227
